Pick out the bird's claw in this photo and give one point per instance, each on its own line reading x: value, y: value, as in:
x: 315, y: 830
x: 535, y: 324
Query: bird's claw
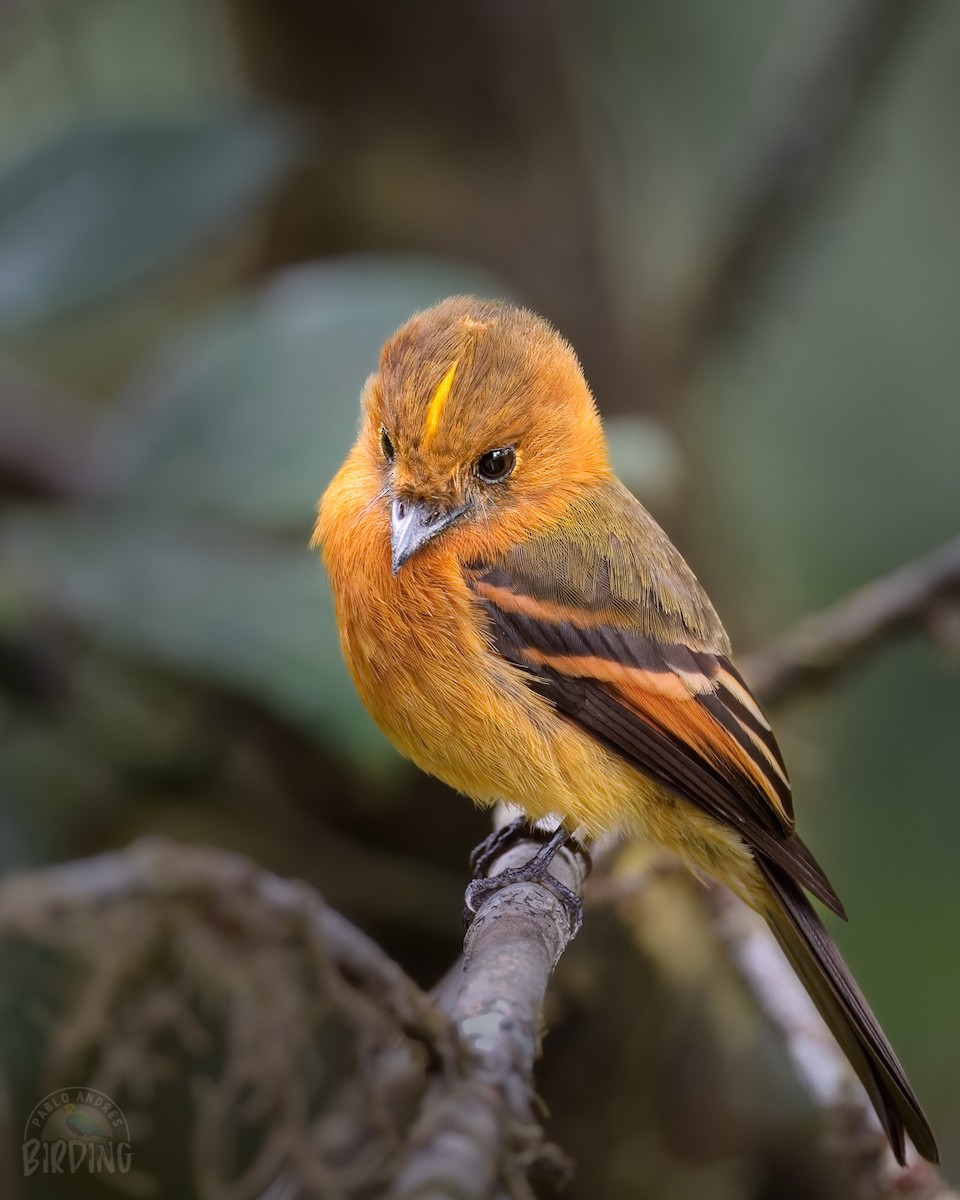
x: 494, y: 844
x: 536, y: 870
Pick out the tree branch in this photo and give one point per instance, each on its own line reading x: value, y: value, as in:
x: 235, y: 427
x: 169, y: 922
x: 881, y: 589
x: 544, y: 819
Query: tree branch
x: 474, y: 1134
x: 477, y: 1138
x: 824, y: 645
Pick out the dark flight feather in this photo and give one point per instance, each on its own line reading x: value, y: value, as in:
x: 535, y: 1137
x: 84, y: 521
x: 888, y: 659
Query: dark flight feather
x: 814, y: 956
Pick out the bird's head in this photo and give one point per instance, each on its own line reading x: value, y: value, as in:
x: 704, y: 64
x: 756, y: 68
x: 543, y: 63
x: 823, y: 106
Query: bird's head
x: 480, y: 419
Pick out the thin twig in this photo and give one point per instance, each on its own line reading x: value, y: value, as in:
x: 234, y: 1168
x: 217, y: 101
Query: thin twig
x: 832, y: 641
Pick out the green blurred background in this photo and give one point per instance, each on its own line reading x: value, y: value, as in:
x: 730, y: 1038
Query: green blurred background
x: 211, y: 216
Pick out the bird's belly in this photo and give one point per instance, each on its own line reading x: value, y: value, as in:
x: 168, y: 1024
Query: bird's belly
x: 462, y: 713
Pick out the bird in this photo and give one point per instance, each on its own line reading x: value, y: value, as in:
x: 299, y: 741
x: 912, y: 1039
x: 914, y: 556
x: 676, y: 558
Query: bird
x: 85, y: 1122
x: 520, y: 627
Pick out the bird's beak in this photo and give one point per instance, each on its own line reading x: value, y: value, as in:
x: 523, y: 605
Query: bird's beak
x: 413, y: 523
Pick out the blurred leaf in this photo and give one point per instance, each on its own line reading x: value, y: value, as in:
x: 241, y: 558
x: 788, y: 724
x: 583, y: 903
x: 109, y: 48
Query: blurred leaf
x: 247, y: 416
x: 245, y: 613
x: 241, y: 422
x: 97, y: 206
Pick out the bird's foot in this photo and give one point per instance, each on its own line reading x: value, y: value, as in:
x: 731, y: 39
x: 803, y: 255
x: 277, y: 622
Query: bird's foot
x: 536, y: 870
x: 482, y: 857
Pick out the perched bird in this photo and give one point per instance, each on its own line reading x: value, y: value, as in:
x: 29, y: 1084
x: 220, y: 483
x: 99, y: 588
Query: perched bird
x: 519, y: 625
x: 86, y: 1122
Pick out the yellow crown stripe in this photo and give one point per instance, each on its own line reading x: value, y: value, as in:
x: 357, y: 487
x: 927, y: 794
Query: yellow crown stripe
x: 437, y: 402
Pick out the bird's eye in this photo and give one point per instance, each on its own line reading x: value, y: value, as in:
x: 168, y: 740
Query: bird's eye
x: 496, y: 465
x: 386, y: 445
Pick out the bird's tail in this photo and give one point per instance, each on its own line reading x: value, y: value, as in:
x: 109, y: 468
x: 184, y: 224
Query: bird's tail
x: 814, y: 956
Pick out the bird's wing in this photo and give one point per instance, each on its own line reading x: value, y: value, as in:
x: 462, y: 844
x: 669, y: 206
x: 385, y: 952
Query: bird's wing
x: 602, y: 637
x: 81, y: 1123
